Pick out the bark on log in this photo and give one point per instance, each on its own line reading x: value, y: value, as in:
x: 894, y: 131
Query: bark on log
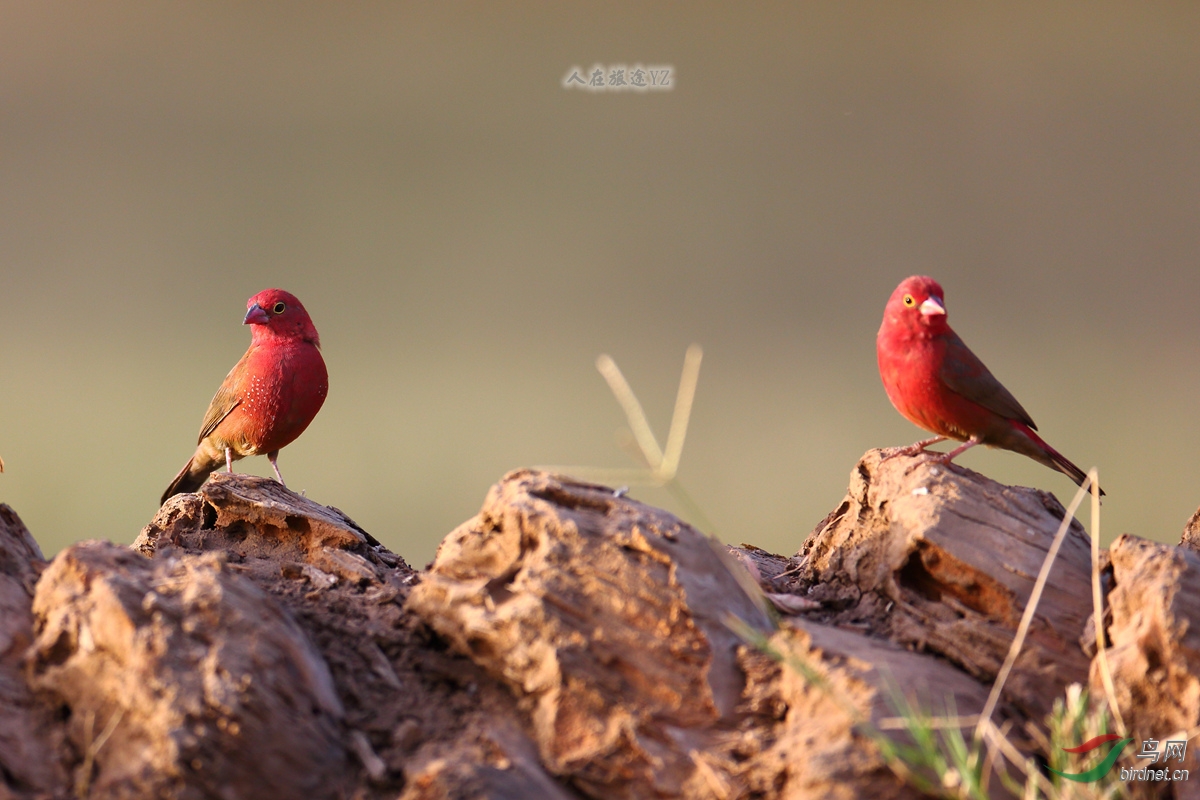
x: 182, y: 679
x: 943, y: 560
x: 606, y: 617
x: 1154, y: 653
x: 420, y: 723
x: 1191, y: 532
x: 566, y: 643
x: 31, y: 744
x: 814, y: 749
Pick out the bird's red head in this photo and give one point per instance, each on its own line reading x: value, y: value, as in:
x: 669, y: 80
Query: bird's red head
x: 276, y: 314
x: 917, y: 304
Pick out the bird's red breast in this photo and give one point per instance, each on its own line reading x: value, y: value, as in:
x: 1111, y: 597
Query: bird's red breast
x: 276, y: 389
x: 930, y: 376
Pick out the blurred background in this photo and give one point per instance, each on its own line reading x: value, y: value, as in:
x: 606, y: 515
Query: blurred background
x: 469, y: 236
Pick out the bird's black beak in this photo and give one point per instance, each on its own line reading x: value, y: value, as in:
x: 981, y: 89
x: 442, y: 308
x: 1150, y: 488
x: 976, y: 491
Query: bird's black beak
x: 256, y: 316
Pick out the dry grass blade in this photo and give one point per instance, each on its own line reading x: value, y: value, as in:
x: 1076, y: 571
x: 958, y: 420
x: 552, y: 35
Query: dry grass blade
x: 1030, y: 608
x: 683, y: 411
x: 633, y: 411
x: 662, y: 468
x: 1098, y: 608
x: 1028, y: 766
x: 745, y: 581
x: 83, y: 780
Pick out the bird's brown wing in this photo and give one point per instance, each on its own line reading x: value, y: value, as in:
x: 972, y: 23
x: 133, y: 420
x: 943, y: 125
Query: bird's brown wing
x: 965, y: 374
x: 224, y: 401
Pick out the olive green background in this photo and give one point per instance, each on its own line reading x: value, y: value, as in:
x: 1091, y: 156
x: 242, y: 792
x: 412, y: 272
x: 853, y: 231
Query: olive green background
x: 468, y: 236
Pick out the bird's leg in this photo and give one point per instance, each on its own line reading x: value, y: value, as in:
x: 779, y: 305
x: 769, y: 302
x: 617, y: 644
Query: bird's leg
x: 273, y: 457
x: 229, y: 460
x: 913, y: 449
x: 946, y: 458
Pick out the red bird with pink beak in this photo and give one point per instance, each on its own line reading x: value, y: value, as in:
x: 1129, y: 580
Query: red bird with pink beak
x: 938, y: 384
x: 268, y: 398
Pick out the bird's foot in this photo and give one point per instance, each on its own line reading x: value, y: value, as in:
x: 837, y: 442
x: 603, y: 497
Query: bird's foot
x: 914, y: 449
x: 945, y: 459
x: 926, y: 458
x: 891, y: 452
x: 930, y: 459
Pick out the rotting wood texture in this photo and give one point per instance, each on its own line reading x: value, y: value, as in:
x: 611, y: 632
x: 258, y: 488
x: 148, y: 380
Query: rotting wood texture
x: 567, y: 643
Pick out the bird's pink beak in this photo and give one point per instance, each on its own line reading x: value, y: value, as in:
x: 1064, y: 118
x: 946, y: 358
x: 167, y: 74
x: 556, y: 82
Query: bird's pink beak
x: 932, y: 305
x: 257, y: 316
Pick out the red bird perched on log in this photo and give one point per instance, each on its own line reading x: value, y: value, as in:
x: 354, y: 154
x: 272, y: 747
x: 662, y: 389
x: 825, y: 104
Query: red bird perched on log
x: 268, y: 398
x: 937, y: 383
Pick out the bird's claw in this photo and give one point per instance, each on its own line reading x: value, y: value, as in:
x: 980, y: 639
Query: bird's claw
x: 907, y: 450
x: 914, y: 449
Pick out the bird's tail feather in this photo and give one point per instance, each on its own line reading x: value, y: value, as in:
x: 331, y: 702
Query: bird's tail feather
x: 1056, y: 460
x: 189, y: 479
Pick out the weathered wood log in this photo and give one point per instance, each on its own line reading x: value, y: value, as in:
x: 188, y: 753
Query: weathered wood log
x: 567, y: 643
x: 31, y: 743
x: 815, y: 749
x: 1154, y: 653
x: 608, y: 619
x: 605, y: 617
x: 421, y: 722
x: 497, y: 761
x: 260, y: 518
x: 182, y: 679
x: 1191, y: 532
x: 943, y: 560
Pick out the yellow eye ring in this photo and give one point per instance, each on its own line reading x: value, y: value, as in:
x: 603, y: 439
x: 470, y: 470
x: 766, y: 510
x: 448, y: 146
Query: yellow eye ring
x: 279, y: 308
x: 909, y: 301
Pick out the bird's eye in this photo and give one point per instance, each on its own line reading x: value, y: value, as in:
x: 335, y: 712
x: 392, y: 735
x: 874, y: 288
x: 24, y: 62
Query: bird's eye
x: 279, y: 308
x: 908, y: 301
